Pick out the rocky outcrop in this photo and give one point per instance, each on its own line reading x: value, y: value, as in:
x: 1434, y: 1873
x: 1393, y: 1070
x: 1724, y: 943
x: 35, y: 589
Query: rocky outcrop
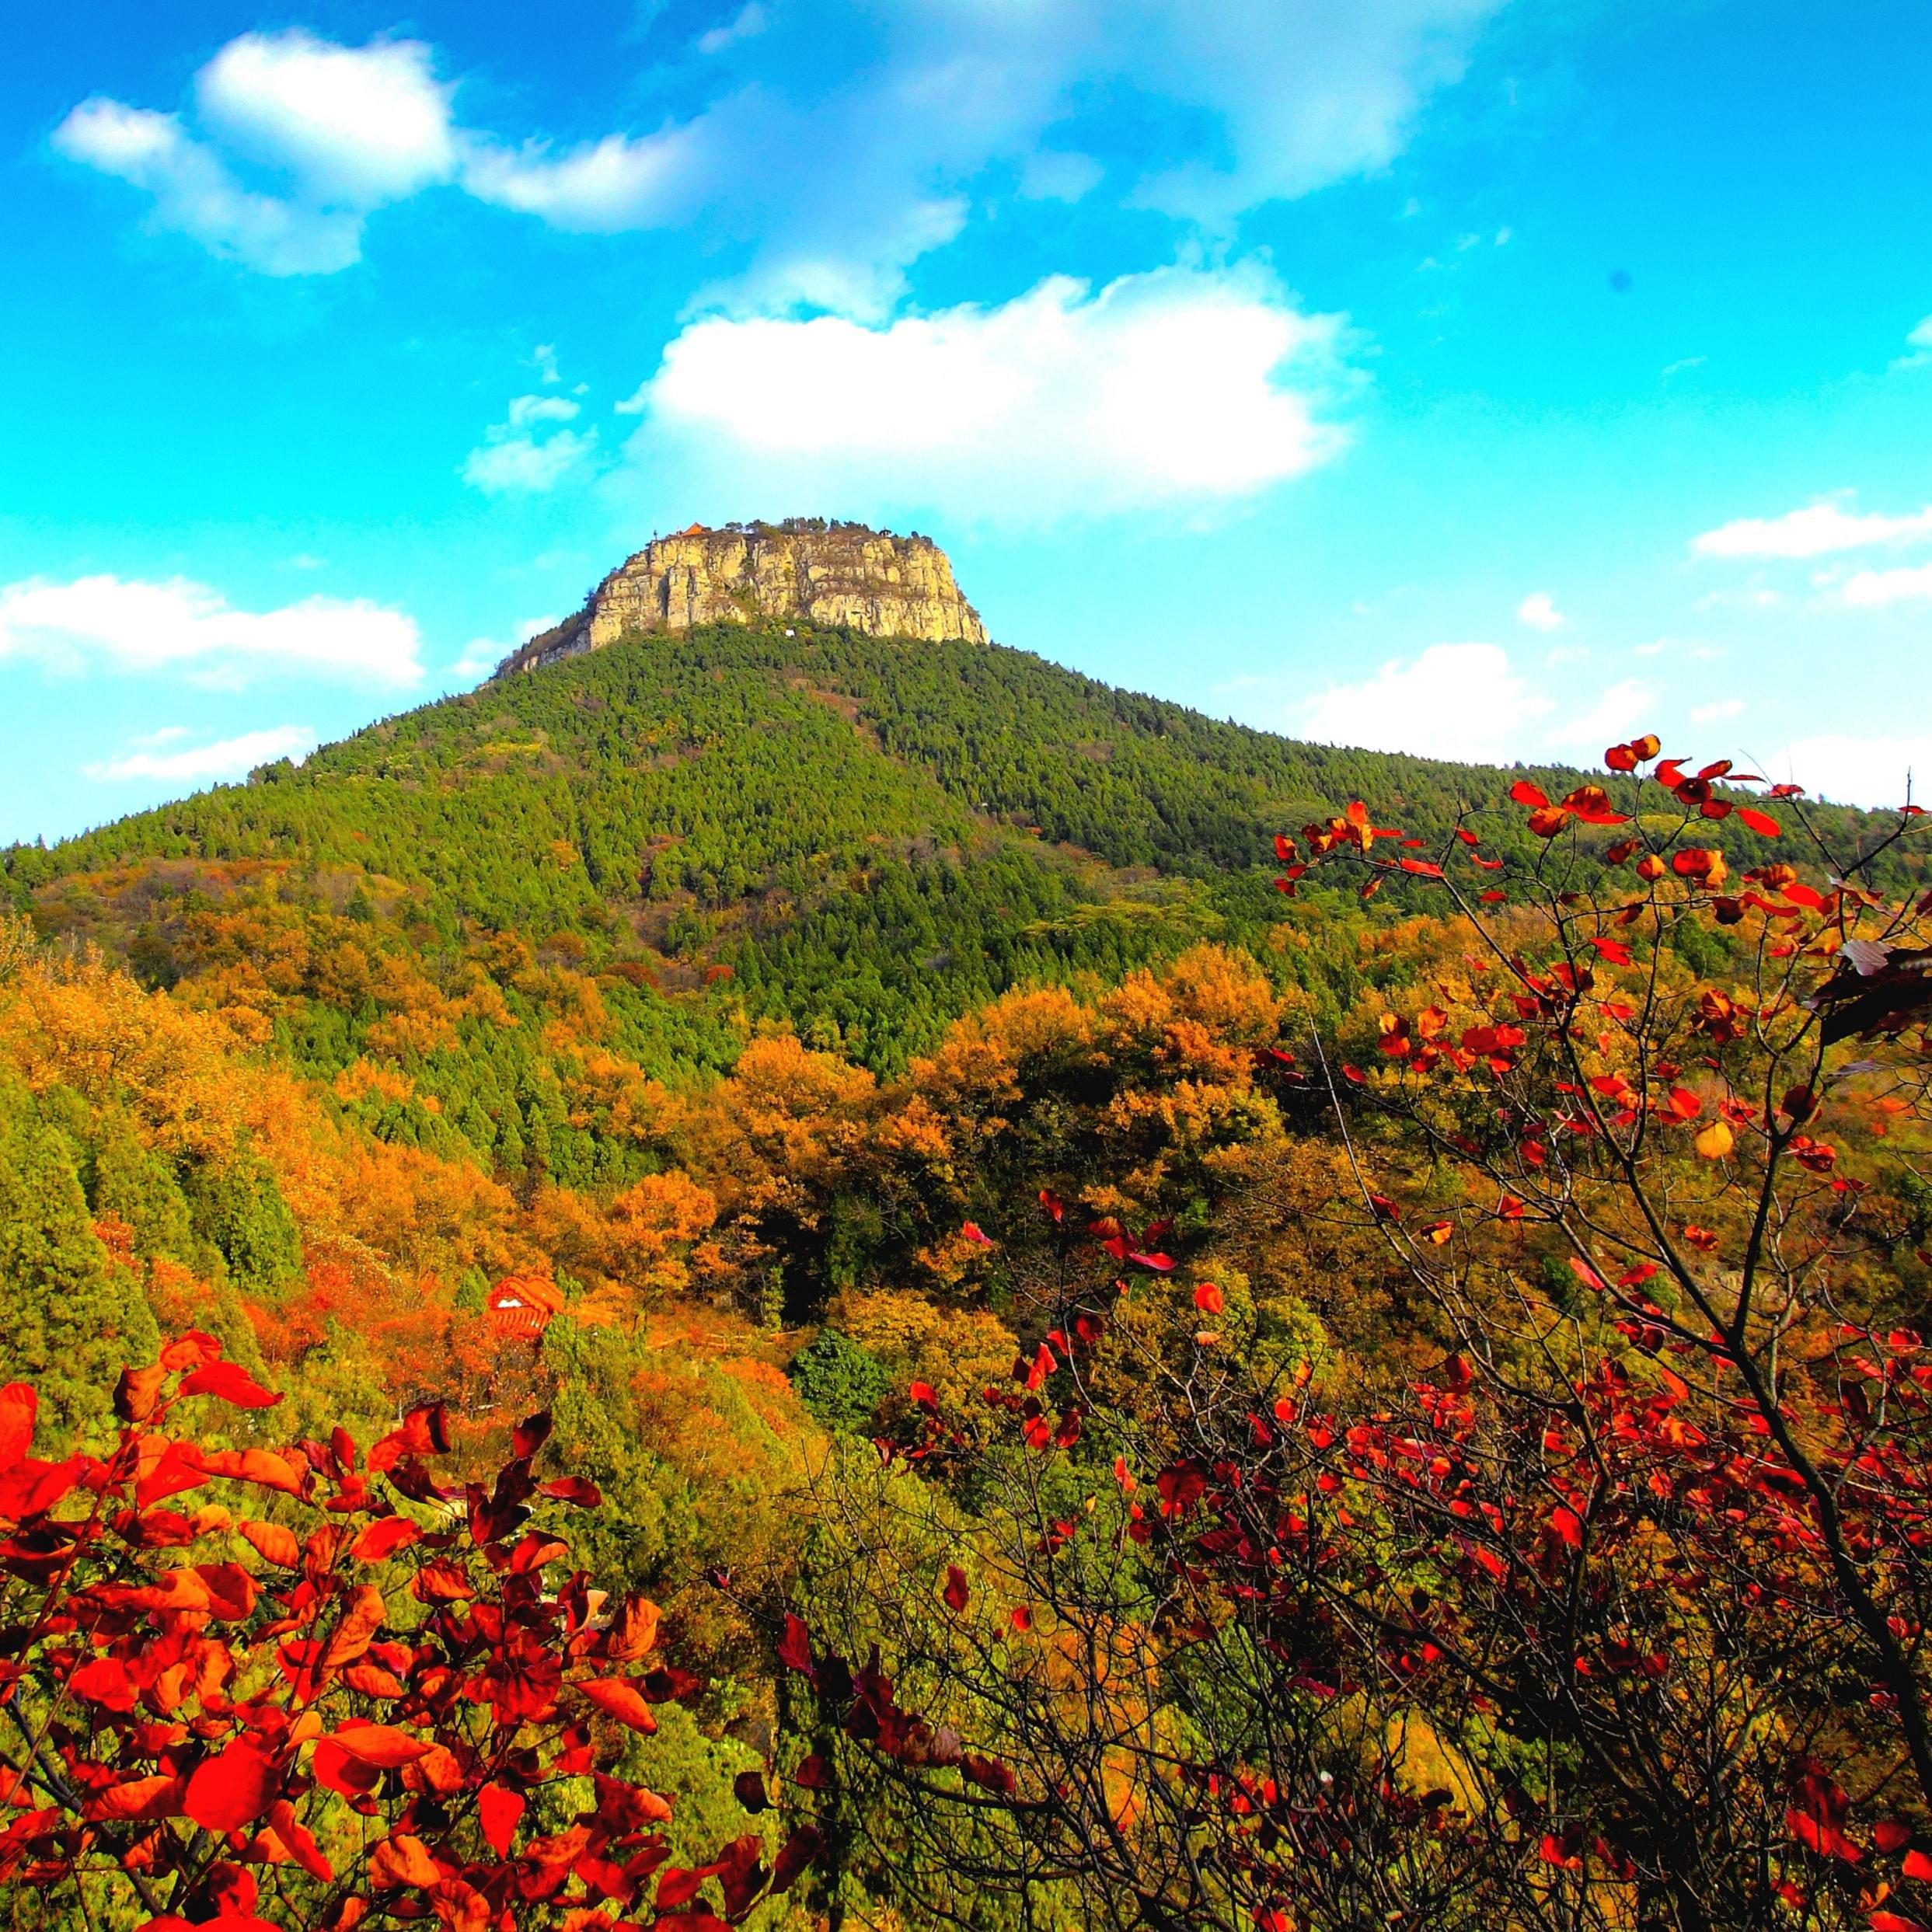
x: 804, y: 570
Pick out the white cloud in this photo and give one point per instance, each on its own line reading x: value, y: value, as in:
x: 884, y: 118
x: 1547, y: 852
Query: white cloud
x: 227, y: 757
x: 750, y: 22
x: 1682, y: 363
x: 1816, y: 531
x: 1874, y: 589
x: 522, y: 466
x: 1627, y: 707
x: 142, y: 626
x: 1539, y: 611
x: 1857, y: 771
x: 525, y: 410
x: 526, y: 454
x: 600, y: 188
x: 1460, y: 701
x: 1177, y: 387
x: 195, y: 194
x: 1920, y: 338
x: 1716, y: 713
x: 825, y: 179
x: 355, y: 127
x: 482, y: 655
x: 1751, y: 597
x: 340, y: 131
x: 1054, y: 174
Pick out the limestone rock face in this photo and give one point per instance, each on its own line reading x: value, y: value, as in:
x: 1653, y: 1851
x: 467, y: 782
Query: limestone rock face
x: 869, y: 581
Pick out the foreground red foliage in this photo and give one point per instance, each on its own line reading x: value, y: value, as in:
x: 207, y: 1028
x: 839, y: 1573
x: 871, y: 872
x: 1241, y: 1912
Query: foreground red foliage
x: 375, y: 1698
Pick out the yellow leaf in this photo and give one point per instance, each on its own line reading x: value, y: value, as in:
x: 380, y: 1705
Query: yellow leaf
x: 1716, y: 1141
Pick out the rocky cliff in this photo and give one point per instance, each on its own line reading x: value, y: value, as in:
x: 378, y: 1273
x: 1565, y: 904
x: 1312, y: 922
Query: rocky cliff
x: 868, y: 580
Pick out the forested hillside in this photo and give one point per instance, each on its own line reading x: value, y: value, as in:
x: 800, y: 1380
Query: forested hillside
x: 1142, y: 1398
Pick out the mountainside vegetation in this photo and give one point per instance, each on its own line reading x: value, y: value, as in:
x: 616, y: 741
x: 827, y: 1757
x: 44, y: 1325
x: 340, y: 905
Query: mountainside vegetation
x: 1166, y: 1353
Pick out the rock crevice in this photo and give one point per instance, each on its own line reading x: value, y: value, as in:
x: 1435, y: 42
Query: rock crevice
x: 816, y: 573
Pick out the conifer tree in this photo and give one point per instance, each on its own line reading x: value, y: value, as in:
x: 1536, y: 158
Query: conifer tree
x: 72, y: 1318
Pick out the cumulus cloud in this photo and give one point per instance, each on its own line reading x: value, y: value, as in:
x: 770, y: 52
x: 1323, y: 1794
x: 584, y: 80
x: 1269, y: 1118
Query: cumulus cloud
x: 1460, y: 701
x: 194, y: 193
x: 145, y: 626
x: 1819, y: 530
x: 227, y: 758
x: 826, y: 177
x: 336, y: 132
x: 1178, y: 387
x: 1539, y: 611
x: 526, y: 454
x: 353, y: 127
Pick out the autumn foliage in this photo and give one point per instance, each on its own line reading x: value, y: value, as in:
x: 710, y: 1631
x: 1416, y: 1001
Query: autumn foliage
x: 1610, y: 1605
x: 305, y: 1687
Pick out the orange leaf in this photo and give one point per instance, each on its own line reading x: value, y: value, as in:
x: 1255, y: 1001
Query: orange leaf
x: 384, y: 1538
x: 273, y: 1542
x: 402, y: 1860
x: 621, y: 1700
x: 381, y: 1745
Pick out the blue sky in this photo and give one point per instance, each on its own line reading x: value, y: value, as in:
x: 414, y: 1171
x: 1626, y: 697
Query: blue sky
x: 1495, y: 380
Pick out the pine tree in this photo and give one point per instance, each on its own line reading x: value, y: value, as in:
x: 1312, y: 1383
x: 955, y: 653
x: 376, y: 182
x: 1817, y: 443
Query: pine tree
x: 73, y: 1320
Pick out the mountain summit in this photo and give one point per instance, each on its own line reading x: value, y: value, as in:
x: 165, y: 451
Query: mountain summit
x: 822, y: 573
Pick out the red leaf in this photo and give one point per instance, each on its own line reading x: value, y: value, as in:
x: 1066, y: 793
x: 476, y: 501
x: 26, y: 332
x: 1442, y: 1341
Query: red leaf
x: 794, y: 1648
x: 579, y: 1490
x: 425, y: 1431
x: 956, y: 1592
x: 31, y: 1488
x: 1882, y: 1921
x: 498, y: 1811
x: 921, y: 1393
x: 1917, y: 1865
x: 977, y: 1235
x: 194, y: 1350
x: 104, y: 1680
x: 1209, y: 1298
x: 17, y: 1405
x: 1567, y: 1525
x: 1525, y: 794
x: 227, y: 1381
x: 384, y: 1538
x: 232, y: 1788
x: 798, y: 1851
x: 1761, y: 822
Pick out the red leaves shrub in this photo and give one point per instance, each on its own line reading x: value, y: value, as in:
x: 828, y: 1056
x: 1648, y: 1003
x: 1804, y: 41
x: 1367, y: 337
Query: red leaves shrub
x: 405, y: 1715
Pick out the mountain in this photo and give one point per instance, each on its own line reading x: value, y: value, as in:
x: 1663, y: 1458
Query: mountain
x: 804, y: 570
x: 650, y: 849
